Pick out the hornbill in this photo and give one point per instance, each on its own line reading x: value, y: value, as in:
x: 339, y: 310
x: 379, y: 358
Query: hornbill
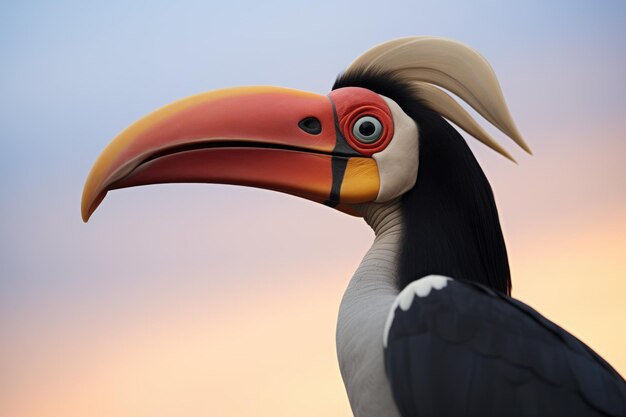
x: 427, y: 326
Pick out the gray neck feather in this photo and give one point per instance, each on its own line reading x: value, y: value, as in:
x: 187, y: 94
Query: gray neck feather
x: 363, y: 312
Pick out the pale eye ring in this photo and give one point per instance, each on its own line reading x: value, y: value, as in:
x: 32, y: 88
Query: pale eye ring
x: 367, y: 129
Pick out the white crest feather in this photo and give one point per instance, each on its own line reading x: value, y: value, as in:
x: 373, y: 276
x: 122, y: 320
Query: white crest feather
x: 426, y: 61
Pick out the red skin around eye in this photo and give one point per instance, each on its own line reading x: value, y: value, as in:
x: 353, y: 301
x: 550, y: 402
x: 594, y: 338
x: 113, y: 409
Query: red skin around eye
x: 352, y: 103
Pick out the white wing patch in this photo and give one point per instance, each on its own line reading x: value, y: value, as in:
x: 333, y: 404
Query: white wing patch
x: 422, y: 288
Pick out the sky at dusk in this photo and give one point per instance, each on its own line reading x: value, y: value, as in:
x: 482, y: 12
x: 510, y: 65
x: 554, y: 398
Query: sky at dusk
x: 192, y: 299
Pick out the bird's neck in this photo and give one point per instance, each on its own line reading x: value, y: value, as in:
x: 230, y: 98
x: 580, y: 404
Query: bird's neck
x: 363, y: 312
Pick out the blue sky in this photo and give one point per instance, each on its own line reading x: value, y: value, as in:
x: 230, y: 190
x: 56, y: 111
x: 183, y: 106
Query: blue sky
x: 74, y: 73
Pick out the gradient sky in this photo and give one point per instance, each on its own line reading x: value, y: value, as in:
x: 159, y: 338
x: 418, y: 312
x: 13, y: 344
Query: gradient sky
x: 222, y: 301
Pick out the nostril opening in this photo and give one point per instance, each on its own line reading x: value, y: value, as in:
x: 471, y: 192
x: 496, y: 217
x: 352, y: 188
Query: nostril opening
x: 311, y: 125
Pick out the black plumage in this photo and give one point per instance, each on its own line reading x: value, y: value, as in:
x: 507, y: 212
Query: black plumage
x: 466, y: 350
x: 450, y: 218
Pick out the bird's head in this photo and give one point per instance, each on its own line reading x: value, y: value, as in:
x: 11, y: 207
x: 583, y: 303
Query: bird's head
x: 359, y: 144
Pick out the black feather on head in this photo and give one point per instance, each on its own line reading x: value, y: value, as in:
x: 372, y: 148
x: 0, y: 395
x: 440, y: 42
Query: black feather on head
x: 450, y: 216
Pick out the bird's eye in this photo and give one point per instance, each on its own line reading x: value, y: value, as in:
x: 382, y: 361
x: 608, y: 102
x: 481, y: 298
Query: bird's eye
x: 367, y: 129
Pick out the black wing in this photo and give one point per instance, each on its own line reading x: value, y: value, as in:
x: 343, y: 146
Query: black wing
x: 466, y: 350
